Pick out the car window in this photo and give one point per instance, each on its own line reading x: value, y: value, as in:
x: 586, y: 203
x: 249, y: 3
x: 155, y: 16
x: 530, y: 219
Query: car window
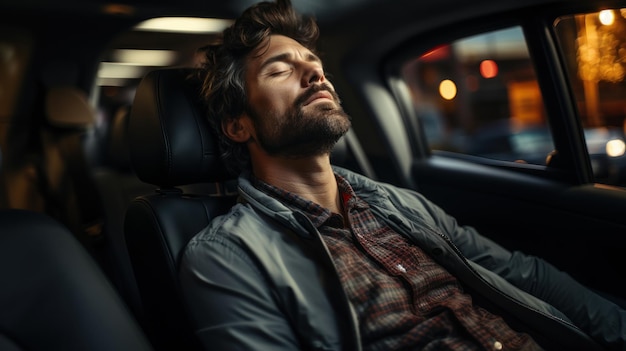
x: 594, y: 48
x: 479, y: 96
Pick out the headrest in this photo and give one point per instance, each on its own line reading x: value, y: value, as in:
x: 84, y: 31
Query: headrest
x: 68, y: 108
x: 170, y: 141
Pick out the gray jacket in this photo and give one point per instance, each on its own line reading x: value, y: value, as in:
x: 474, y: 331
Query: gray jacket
x: 261, y: 278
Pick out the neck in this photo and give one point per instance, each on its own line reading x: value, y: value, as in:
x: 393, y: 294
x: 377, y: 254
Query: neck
x: 312, y: 178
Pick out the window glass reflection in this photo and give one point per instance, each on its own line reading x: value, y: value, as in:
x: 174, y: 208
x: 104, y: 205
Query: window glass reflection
x: 479, y: 96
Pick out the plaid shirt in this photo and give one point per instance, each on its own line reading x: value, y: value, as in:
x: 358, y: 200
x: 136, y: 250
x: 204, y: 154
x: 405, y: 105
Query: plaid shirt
x: 404, y: 300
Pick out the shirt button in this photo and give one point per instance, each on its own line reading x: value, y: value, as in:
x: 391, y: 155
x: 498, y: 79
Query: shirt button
x: 401, y: 268
x: 497, y: 345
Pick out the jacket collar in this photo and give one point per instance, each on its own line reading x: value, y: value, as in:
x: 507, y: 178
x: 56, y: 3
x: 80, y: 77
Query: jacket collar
x: 365, y: 188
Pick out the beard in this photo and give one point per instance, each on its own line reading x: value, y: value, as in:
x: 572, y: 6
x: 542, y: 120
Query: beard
x: 297, y: 133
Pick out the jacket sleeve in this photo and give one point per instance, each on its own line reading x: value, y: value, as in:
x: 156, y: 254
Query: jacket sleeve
x: 600, y: 318
x: 230, y: 303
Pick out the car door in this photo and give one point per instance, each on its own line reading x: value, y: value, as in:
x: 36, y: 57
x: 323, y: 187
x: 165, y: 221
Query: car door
x: 516, y: 127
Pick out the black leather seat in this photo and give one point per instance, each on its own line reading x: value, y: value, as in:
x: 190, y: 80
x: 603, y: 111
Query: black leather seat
x: 171, y: 148
x: 53, y: 295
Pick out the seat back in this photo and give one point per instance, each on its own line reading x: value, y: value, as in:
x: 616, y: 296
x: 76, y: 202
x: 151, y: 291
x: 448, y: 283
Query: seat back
x: 54, y: 296
x: 171, y: 147
x: 65, y: 176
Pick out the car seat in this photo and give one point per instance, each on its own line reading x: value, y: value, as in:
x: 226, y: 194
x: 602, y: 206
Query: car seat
x: 65, y: 177
x: 54, y: 296
x: 171, y: 148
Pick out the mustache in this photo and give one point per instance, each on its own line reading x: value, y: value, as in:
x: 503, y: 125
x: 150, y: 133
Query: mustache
x: 314, y: 89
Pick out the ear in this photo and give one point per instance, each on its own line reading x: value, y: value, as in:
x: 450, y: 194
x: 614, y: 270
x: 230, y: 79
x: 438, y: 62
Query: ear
x: 237, y: 129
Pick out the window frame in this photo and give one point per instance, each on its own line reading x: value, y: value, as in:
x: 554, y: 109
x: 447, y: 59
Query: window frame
x: 573, y: 163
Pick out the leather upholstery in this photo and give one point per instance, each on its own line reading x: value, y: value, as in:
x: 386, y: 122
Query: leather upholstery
x: 170, y: 140
x: 53, y: 295
x: 170, y: 146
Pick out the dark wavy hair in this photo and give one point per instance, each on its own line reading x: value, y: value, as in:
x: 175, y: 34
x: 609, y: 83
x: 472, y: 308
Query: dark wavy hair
x: 223, y: 71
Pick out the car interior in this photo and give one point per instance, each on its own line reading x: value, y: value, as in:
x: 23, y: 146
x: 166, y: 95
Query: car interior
x: 158, y: 226
x: 104, y: 176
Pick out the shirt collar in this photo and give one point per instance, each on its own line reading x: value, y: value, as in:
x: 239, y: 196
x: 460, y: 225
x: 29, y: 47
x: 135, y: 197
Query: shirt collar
x: 317, y: 214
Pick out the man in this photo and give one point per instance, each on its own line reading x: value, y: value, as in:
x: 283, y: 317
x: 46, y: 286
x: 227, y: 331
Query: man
x: 314, y: 257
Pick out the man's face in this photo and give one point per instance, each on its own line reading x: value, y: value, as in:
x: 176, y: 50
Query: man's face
x: 295, y: 110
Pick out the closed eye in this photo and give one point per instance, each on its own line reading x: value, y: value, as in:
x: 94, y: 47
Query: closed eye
x: 277, y: 68
x: 278, y: 73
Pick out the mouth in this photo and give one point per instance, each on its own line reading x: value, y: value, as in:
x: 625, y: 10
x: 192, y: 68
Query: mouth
x: 320, y: 95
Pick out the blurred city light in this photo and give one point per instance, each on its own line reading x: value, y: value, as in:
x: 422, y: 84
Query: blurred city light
x: 607, y: 17
x: 615, y: 147
x: 447, y: 89
x: 488, y: 68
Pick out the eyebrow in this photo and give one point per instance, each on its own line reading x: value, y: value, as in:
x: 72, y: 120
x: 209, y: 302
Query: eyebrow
x: 310, y: 57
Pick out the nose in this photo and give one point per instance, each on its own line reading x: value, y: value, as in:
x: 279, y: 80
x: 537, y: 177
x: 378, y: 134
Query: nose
x: 313, y: 74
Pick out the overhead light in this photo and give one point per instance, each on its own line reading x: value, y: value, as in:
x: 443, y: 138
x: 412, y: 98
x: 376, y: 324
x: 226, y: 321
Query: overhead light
x: 184, y: 25
x: 144, y: 57
x: 117, y: 74
x: 119, y: 70
x: 112, y: 82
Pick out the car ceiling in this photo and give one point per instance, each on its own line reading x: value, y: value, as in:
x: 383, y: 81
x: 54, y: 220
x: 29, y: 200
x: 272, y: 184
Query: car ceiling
x: 340, y: 20
x: 359, y: 13
x: 371, y: 27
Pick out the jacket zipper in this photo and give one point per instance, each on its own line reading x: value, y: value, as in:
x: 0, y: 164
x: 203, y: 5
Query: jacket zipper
x: 493, y: 288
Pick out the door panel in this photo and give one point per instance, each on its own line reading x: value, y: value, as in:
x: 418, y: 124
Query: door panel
x: 579, y: 229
